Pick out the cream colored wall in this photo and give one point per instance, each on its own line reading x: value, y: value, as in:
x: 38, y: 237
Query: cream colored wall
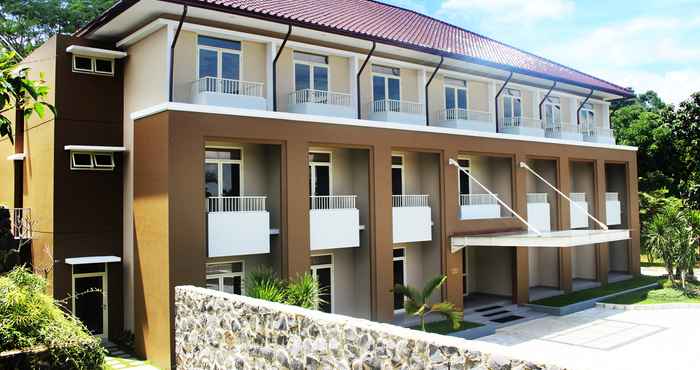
x: 254, y: 58
x: 478, y: 96
x: 185, y: 66
x: 566, y: 110
x: 409, y: 85
x: 339, y: 70
x: 365, y: 89
x: 436, y: 96
x: 496, y: 174
x: 491, y: 270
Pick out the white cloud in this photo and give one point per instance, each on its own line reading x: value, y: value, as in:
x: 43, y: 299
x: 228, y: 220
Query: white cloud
x: 505, y: 11
x: 672, y: 86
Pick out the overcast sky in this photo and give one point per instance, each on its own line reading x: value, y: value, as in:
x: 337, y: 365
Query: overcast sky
x: 643, y: 44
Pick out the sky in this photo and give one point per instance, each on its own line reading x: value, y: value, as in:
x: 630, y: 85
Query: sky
x: 643, y: 44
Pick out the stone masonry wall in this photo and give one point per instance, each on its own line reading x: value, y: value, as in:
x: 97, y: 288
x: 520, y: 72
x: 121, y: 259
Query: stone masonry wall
x: 215, y: 330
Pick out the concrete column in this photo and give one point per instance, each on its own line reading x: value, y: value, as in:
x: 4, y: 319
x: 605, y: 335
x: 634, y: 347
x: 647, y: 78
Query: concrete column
x: 573, y: 106
x: 601, y: 250
x: 536, y: 104
x: 633, y: 217
x: 295, y: 209
x: 450, y: 208
x: 421, y: 88
x: 381, y: 240
x: 492, y: 101
x: 605, y: 120
x: 564, y: 223
x: 352, y: 77
x: 521, y: 278
x: 270, y: 50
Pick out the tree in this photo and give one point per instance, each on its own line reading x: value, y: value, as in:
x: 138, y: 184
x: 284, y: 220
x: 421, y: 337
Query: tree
x: 685, y: 125
x: 26, y: 24
x: 20, y: 93
x: 416, y: 303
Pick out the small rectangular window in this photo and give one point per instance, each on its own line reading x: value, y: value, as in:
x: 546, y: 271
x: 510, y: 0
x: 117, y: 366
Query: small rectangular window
x: 104, y: 160
x: 320, y: 157
x: 463, y: 163
x: 396, y: 160
x: 88, y: 268
x: 223, y: 153
x: 455, y: 82
x: 218, y: 43
x: 83, y: 64
x: 81, y: 160
x: 386, y: 70
x: 104, y: 66
x: 325, y: 259
x: 224, y: 268
x: 513, y: 92
x: 311, y: 58
x: 399, y: 252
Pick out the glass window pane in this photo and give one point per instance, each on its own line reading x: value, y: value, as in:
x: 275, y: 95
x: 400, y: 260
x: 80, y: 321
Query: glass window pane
x: 396, y: 160
x: 230, y: 66
x: 320, y: 78
x: 399, y: 252
x: 103, y: 66
x: 82, y: 160
x: 229, y: 285
x: 83, y: 63
x: 325, y: 259
x: 223, y: 153
x: 517, y: 109
x: 211, y: 179
x: 394, y: 88
x: 323, y: 275
x: 449, y: 98
x: 302, y: 77
x: 213, y: 283
x: 507, y: 107
x: 231, y: 180
x: 104, y: 160
x: 398, y: 279
x: 320, y: 157
x: 396, y: 181
x: 208, y: 63
x: 378, y: 88
x: 218, y: 43
x: 462, y: 99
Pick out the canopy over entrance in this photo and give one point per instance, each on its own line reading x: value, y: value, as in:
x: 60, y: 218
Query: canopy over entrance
x: 553, y: 239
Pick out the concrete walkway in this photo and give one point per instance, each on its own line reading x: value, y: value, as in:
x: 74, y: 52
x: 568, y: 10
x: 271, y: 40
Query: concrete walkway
x: 603, y: 339
x: 118, y: 359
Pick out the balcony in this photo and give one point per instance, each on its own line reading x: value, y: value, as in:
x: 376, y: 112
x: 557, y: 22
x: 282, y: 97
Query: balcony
x: 597, y: 134
x: 238, y: 226
x: 579, y: 218
x: 411, y: 218
x: 229, y: 93
x: 478, y: 206
x: 465, y: 119
x: 563, y: 130
x: 522, y: 126
x: 20, y: 221
x: 321, y: 103
x: 334, y: 222
x: 538, y: 211
x: 398, y: 111
x: 613, y: 209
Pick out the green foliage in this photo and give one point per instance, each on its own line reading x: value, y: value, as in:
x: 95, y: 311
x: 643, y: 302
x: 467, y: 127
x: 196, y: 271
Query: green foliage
x: 303, y: 291
x: 417, y: 303
x: 29, y: 317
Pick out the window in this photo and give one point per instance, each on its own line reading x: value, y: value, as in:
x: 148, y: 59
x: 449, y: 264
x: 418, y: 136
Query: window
x: 320, y: 174
x: 91, y: 161
x: 455, y: 94
x: 587, y: 115
x: 512, y: 104
x: 219, y: 59
x: 226, y: 277
x: 310, y: 72
x: 322, y: 271
x: 223, y: 173
x: 85, y: 64
x: 399, y: 262
x: 397, y: 180
x: 552, y: 111
x: 464, y: 185
x: 386, y: 85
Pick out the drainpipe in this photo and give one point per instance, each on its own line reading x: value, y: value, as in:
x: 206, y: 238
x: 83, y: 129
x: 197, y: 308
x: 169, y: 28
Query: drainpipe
x: 274, y: 68
x: 578, y: 111
x: 362, y: 68
x: 427, y: 111
x: 499, y: 94
x: 18, y: 201
x: 172, y: 51
x: 546, y: 96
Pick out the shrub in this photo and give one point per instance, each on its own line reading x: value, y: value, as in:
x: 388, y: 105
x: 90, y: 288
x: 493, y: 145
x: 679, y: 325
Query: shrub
x: 29, y: 317
x: 303, y: 291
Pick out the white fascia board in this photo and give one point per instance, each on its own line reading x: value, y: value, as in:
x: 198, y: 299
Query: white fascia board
x: 95, y: 148
x: 92, y: 259
x: 143, y: 32
x: 16, y: 157
x: 197, y: 108
x: 554, y: 239
x: 95, y: 52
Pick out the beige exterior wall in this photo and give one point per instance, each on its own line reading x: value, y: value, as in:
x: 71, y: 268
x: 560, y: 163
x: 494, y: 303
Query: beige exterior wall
x: 495, y: 173
x: 584, y: 258
x: 409, y: 85
x: 490, y: 270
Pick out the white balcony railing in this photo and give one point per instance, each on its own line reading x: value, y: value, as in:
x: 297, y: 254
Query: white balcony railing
x: 562, y: 127
x: 388, y: 105
x: 333, y: 201
x: 228, y: 86
x: 578, y: 197
x: 537, y: 197
x: 612, y: 196
x: 20, y: 222
x: 593, y: 130
x: 410, y: 200
x: 476, y: 199
x: 463, y: 114
x: 319, y: 97
x: 521, y: 122
x: 236, y: 204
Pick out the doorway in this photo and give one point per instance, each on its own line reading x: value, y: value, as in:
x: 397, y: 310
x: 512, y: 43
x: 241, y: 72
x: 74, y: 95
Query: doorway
x: 399, y: 276
x: 322, y: 271
x: 89, y: 301
x: 320, y: 173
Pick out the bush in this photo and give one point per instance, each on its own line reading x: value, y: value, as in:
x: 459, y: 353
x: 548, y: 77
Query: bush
x: 29, y: 317
x: 303, y: 291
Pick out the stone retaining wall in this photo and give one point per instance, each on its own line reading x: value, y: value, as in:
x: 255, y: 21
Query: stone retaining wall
x: 215, y: 330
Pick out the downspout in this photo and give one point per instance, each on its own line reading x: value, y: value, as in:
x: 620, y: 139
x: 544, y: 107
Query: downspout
x: 546, y: 96
x: 578, y: 111
x: 172, y: 52
x: 357, y: 78
x: 499, y: 94
x: 427, y: 111
x: 274, y: 68
x: 18, y: 201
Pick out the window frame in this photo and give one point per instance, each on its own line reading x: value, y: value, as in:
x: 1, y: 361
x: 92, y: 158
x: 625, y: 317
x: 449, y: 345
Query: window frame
x: 405, y: 275
x: 219, y: 57
x: 584, y: 114
x: 220, y: 166
x: 221, y: 276
x: 402, y: 168
x: 386, y: 83
x: 551, y: 105
x: 100, y: 166
x: 331, y: 265
x: 93, y: 163
x: 329, y: 164
x: 312, y: 66
x: 507, y: 96
x: 460, y: 173
x: 93, y: 65
x: 448, y: 85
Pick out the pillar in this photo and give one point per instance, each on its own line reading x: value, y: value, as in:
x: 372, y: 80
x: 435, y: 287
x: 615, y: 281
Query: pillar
x: 381, y: 238
x: 521, y: 265
x: 450, y: 207
x: 295, y: 209
x: 564, y: 223
x: 601, y: 249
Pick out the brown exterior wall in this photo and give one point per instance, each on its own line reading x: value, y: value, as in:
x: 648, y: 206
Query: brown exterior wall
x: 169, y: 211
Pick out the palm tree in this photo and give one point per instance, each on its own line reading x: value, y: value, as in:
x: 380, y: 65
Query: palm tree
x: 416, y: 303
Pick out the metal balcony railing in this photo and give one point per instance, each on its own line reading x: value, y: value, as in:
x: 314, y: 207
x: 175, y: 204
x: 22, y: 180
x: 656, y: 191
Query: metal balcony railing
x: 410, y: 200
x: 578, y: 197
x: 228, y: 86
x: 333, y: 201
x: 476, y: 199
x: 463, y: 114
x: 236, y: 204
x: 559, y: 127
x: 20, y: 222
x: 612, y: 196
x: 537, y: 197
x: 388, y: 105
x: 521, y: 122
x: 593, y: 130
x: 319, y: 97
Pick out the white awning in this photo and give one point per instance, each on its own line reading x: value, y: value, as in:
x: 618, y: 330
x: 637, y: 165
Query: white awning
x: 95, y: 148
x: 95, y: 52
x: 553, y: 239
x: 92, y: 259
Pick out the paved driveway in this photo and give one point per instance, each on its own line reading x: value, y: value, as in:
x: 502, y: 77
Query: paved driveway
x: 604, y: 339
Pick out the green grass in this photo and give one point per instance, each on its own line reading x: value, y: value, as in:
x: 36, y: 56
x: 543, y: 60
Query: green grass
x: 665, y: 294
x: 445, y: 327
x: 584, y: 295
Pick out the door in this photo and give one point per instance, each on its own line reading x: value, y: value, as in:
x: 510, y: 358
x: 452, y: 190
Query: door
x: 397, y: 181
x: 90, y: 301
x: 465, y: 272
x: 322, y: 271
x: 399, y: 275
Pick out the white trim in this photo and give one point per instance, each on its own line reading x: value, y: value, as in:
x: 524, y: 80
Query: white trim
x: 219, y: 167
x: 92, y: 259
x: 308, y: 118
x: 403, y: 170
x: 312, y: 66
x: 95, y: 148
x: 314, y: 273
x: 16, y: 157
x: 220, y: 277
x: 386, y: 83
x: 105, y: 301
x: 552, y: 239
x: 219, y: 57
x: 95, y: 52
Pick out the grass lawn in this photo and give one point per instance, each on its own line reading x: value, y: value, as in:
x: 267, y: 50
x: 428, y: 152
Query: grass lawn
x: 584, y: 295
x: 665, y: 294
x: 445, y: 327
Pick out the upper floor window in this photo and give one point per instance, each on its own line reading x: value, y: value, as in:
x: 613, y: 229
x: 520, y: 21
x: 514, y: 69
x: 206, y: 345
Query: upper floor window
x: 310, y: 71
x: 512, y: 103
x: 386, y: 83
x: 223, y: 172
x: 218, y: 59
x: 552, y: 110
x: 587, y: 115
x: 455, y: 93
x: 94, y: 65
